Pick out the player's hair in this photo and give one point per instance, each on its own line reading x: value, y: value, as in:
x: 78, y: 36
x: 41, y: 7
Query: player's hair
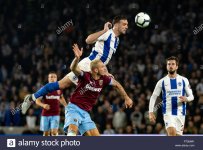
x: 173, y: 58
x: 94, y: 63
x: 52, y: 72
x: 116, y: 19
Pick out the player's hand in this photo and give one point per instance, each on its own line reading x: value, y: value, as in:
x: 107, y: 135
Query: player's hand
x: 46, y: 106
x: 183, y: 99
x: 152, y: 117
x: 128, y: 102
x: 107, y: 26
x: 78, y: 52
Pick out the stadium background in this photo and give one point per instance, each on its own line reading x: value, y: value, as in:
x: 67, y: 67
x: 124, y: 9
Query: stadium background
x: 30, y: 47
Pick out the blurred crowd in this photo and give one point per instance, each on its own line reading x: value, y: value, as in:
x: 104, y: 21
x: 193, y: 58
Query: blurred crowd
x: 30, y: 47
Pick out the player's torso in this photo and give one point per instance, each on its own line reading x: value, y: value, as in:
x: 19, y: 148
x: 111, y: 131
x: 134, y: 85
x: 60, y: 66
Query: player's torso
x: 104, y: 50
x: 87, y: 92
x: 172, y: 89
x: 52, y: 99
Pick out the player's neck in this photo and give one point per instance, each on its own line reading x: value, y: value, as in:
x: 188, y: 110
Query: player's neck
x: 95, y: 76
x: 172, y: 75
x: 116, y: 32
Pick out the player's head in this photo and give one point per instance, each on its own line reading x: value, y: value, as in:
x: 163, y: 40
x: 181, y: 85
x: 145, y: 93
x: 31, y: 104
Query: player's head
x: 98, y: 67
x: 52, y: 77
x: 120, y: 23
x: 172, y: 64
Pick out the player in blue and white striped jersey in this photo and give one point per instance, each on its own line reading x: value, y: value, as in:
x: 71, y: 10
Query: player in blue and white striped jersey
x: 176, y: 92
x: 107, y: 41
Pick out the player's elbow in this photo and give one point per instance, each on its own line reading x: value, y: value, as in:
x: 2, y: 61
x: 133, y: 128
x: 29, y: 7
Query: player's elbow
x: 88, y: 40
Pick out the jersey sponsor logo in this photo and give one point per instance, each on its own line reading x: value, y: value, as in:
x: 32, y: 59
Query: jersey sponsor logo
x: 174, y: 92
x: 52, y: 97
x: 89, y: 87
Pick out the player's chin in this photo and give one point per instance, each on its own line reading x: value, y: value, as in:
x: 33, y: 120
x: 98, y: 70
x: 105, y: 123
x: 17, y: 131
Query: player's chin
x: 124, y: 32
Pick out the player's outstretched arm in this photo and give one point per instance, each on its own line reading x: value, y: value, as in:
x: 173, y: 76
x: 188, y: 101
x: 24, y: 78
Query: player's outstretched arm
x: 92, y: 38
x: 74, y: 65
x: 118, y: 86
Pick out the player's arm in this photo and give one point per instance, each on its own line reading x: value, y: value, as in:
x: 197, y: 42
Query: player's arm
x: 118, y: 86
x: 92, y: 38
x: 152, y: 101
x: 189, y: 93
x: 63, y: 101
x: 43, y: 105
x: 74, y: 65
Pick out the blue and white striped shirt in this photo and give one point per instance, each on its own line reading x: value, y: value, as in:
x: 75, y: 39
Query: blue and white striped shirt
x: 172, y: 89
x: 105, y: 47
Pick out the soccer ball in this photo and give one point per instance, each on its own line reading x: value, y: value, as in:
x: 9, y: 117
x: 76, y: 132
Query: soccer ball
x: 142, y: 20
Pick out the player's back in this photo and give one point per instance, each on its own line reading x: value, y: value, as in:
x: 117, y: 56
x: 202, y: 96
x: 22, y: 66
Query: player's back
x: 105, y: 47
x: 172, y: 89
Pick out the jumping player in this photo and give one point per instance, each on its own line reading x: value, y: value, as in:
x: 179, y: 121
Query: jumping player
x: 107, y: 41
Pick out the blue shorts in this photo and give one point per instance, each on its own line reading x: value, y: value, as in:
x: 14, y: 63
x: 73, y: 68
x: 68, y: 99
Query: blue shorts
x: 49, y: 122
x: 79, y: 117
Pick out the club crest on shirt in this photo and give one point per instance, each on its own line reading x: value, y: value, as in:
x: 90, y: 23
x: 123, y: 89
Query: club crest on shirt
x: 179, y: 83
x: 100, y: 82
x: 58, y: 92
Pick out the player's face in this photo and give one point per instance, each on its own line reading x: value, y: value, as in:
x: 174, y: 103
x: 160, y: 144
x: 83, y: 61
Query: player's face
x: 171, y: 66
x: 102, y: 70
x: 123, y: 26
x: 52, y: 77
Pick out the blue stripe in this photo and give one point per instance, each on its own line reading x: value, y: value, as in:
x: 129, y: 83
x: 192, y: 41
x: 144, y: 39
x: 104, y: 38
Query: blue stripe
x: 174, y: 99
x: 93, y: 55
x: 163, y: 98
x: 183, y: 92
x: 115, y: 44
x: 106, y: 49
x: 174, y: 105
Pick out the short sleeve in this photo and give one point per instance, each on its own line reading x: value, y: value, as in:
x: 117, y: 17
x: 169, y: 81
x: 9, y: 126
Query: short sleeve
x: 104, y: 36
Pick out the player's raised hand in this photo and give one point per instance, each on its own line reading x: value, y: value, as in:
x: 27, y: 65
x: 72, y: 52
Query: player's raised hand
x: 152, y: 117
x: 107, y: 26
x: 78, y: 52
x: 128, y: 102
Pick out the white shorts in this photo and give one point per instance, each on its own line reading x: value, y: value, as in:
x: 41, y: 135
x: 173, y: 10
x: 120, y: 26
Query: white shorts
x: 177, y: 122
x: 84, y: 65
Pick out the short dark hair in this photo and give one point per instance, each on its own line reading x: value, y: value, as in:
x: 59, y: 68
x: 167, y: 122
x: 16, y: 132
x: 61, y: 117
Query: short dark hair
x: 116, y: 19
x: 173, y: 58
x: 52, y: 72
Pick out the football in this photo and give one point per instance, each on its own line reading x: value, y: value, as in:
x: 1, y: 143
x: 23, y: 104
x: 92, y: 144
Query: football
x: 142, y: 20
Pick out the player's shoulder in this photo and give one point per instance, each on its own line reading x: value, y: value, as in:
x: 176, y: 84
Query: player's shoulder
x: 183, y: 78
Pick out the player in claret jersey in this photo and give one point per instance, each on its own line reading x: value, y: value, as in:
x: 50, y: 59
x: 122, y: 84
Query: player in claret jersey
x: 90, y: 85
x: 50, y: 117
